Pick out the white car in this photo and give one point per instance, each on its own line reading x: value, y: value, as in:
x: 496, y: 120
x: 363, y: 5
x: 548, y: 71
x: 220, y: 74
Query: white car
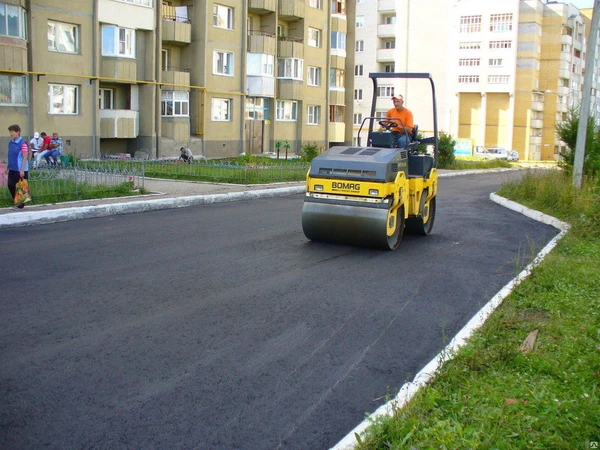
x: 513, y: 156
x: 491, y: 153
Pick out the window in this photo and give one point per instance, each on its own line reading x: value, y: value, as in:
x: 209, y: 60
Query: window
x: 63, y: 37
x: 501, y: 22
x: 389, y: 20
x: 13, y: 90
x: 287, y: 110
x: 137, y: 2
x: 314, y: 76
x: 221, y: 109
x: 338, y: 7
x: 257, y: 108
x: 360, y: 21
x: 118, y: 41
x: 338, y: 43
x: 469, y: 45
x: 467, y: 79
x: 106, y: 98
x: 337, y: 113
x: 63, y: 99
x: 360, y: 46
x: 470, y: 24
x: 314, y: 37
x: 389, y: 44
x: 498, y: 79
x: 358, y: 70
x: 357, y: 119
x: 164, y: 61
x: 495, y: 62
x: 500, y: 44
x: 358, y: 93
x: 260, y: 64
x: 313, y: 115
x: 290, y: 68
x: 222, y: 63
x: 385, y: 91
x: 389, y: 68
x: 223, y: 17
x: 337, y: 79
x: 175, y: 104
x: 317, y: 4
x: 12, y: 21
x: 465, y: 62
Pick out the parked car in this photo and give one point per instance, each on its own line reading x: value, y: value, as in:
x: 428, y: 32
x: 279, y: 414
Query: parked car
x: 491, y: 153
x: 513, y: 156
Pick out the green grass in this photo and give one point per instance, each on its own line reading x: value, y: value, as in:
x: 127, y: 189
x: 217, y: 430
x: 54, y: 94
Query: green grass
x: 493, y: 396
x: 465, y: 163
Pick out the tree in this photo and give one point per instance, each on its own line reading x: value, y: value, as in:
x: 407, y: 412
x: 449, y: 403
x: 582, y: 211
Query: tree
x: 567, y: 132
x: 446, y: 145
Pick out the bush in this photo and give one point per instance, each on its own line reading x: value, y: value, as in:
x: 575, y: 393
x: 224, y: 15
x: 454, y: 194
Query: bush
x: 567, y: 132
x: 309, y: 152
x: 446, y: 145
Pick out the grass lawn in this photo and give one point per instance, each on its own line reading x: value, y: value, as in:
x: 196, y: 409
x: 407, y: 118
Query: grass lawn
x: 494, y: 396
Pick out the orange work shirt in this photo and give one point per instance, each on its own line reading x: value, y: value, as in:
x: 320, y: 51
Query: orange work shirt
x: 405, y: 116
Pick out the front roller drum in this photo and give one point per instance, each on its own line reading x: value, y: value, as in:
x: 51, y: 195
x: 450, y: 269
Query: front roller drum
x: 353, y: 225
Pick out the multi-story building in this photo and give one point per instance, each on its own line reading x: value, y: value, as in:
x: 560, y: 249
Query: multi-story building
x: 123, y: 76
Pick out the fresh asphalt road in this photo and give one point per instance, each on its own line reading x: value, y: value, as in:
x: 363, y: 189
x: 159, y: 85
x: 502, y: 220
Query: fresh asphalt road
x: 222, y: 327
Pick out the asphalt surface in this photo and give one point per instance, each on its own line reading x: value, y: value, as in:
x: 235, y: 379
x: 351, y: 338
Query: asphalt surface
x: 220, y: 326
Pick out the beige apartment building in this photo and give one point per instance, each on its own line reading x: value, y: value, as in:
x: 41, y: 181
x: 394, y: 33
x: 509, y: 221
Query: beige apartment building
x: 145, y: 76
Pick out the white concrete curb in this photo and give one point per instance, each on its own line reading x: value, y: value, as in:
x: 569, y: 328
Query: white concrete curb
x: 427, y: 373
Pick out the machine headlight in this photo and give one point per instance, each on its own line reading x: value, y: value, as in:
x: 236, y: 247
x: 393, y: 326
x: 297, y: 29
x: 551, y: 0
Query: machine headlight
x: 374, y: 192
x: 318, y: 187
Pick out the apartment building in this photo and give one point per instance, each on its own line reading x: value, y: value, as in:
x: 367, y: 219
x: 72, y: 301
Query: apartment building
x: 225, y: 77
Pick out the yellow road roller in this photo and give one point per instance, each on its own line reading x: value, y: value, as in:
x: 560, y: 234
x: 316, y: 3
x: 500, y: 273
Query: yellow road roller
x: 369, y: 196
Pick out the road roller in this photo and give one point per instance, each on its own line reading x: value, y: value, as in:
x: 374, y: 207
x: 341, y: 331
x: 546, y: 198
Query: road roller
x: 369, y: 196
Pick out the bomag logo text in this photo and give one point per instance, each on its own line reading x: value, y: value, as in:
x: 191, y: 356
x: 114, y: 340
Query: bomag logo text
x: 346, y: 186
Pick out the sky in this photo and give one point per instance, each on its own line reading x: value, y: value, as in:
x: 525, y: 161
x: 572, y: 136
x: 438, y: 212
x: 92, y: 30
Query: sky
x: 581, y: 4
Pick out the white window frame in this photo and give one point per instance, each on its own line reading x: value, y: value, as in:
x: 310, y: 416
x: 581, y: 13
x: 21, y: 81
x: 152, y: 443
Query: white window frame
x: 470, y: 24
x: 15, y: 90
x: 337, y: 114
x: 223, y: 63
x: 13, y: 10
x: 357, y: 119
x: 317, y: 4
x: 469, y: 62
x: 54, y: 96
x: 287, y: 111
x: 469, y: 46
x: 260, y: 64
x: 338, y: 7
x: 338, y: 43
x: 123, y: 41
x: 138, y: 2
x: 358, y: 94
x: 389, y: 68
x: 337, y: 79
x: 360, y: 21
x: 313, y: 76
x: 500, y: 23
x: 359, y: 70
x: 290, y: 68
x: 314, y: 37
x: 103, y: 94
x: 498, y: 79
x: 59, y: 32
x: 313, y: 114
x: 468, y: 79
x: 495, y: 62
x: 500, y: 44
x: 359, y: 46
x: 257, y: 108
x: 389, y: 44
x: 223, y: 17
x: 165, y: 57
x: 385, y: 91
x: 175, y: 104
x: 220, y: 109
x: 389, y: 20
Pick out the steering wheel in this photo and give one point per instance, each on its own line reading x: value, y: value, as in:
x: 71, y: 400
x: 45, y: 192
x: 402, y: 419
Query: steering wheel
x: 388, y: 125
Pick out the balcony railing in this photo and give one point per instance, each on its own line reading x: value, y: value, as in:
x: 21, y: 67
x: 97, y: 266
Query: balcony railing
x: 262, y: 42
x: 119, y: 123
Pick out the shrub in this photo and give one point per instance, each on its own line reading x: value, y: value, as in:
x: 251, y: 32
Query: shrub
x: 446, y: 145
x: 309, y: 152
x: 567, y: 132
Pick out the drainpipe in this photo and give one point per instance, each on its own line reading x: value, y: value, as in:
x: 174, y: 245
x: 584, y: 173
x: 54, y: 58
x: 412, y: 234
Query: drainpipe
x: 95, y: 83
x: 158, y: 76
x: 30, y: 29
x: 328, y: 77
x: 243, y: 87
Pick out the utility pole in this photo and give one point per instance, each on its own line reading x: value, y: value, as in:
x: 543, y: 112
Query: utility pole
x: 586, y: 100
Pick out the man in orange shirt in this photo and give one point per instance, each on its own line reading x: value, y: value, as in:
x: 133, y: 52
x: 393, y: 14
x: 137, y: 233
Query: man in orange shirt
x: 403, y: 127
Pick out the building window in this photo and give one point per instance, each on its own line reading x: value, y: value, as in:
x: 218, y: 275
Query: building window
x: 360, y: 46
x: 337, y: 79
x: 12, y: 21
x: 358, y: 70
x: 223, y: 17
x: 469, y: 46
x: 466, y: 62
x: 389, y: 44
x: 360, y: 21
x: 317, y: 4
x: 63, y: 99
x: 221, y: 109
x: 385, y: 91
x: 222, y: 63
x: 338, y: 43
x: 389, y: 20
x: 313, y: 115
x: 287, y: 110
x: 338, y: 7
x: 389, y: 68
x: 257, y: 108
x: 63, y: 37
x: 290, y: 68
x: 358, y: 94
x: 314, y: 76
x: 468, y: 79
x: 137, y: 2
x: 470, y: 24
x: 357, y: 119
x: 118, y: 41
x: 175, y: 104
x: 501, y: 22
x: 13, y: 90
x: 498, y: 79
x: 495, y: 62
x: 260, y: 64
x: 337, y: 113
x: 106, y: 98
x: 500, y: 44
x: 314, y: 37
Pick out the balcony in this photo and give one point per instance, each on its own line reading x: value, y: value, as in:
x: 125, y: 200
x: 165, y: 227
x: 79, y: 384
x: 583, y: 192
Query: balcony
x: 119, y: 69
x: 337, y: 132
x: 262, y: 42
x: 386, y: 6
x: 535, y: 140
x: 385, y: 55
x: 537, y: 123
x: 119, y: 123
x: 13, y: 54
x: 261, y: 7
x: 290, y: 48
x: 176, y: 79
x: 564, y: 73
x: 289, y: 89
x: 386, y: 30
x: 339, y: 23
x: 337, y: 96
x: 176, y: 33
x: 259, y: 86
x: 566, y: 57
x: 291, y: 10
x: 537, y: 106
x: 566, y: 39
x: 176, y: 128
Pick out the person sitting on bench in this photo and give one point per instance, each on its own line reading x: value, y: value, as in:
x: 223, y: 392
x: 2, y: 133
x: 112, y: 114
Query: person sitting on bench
x: 403, y: 126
